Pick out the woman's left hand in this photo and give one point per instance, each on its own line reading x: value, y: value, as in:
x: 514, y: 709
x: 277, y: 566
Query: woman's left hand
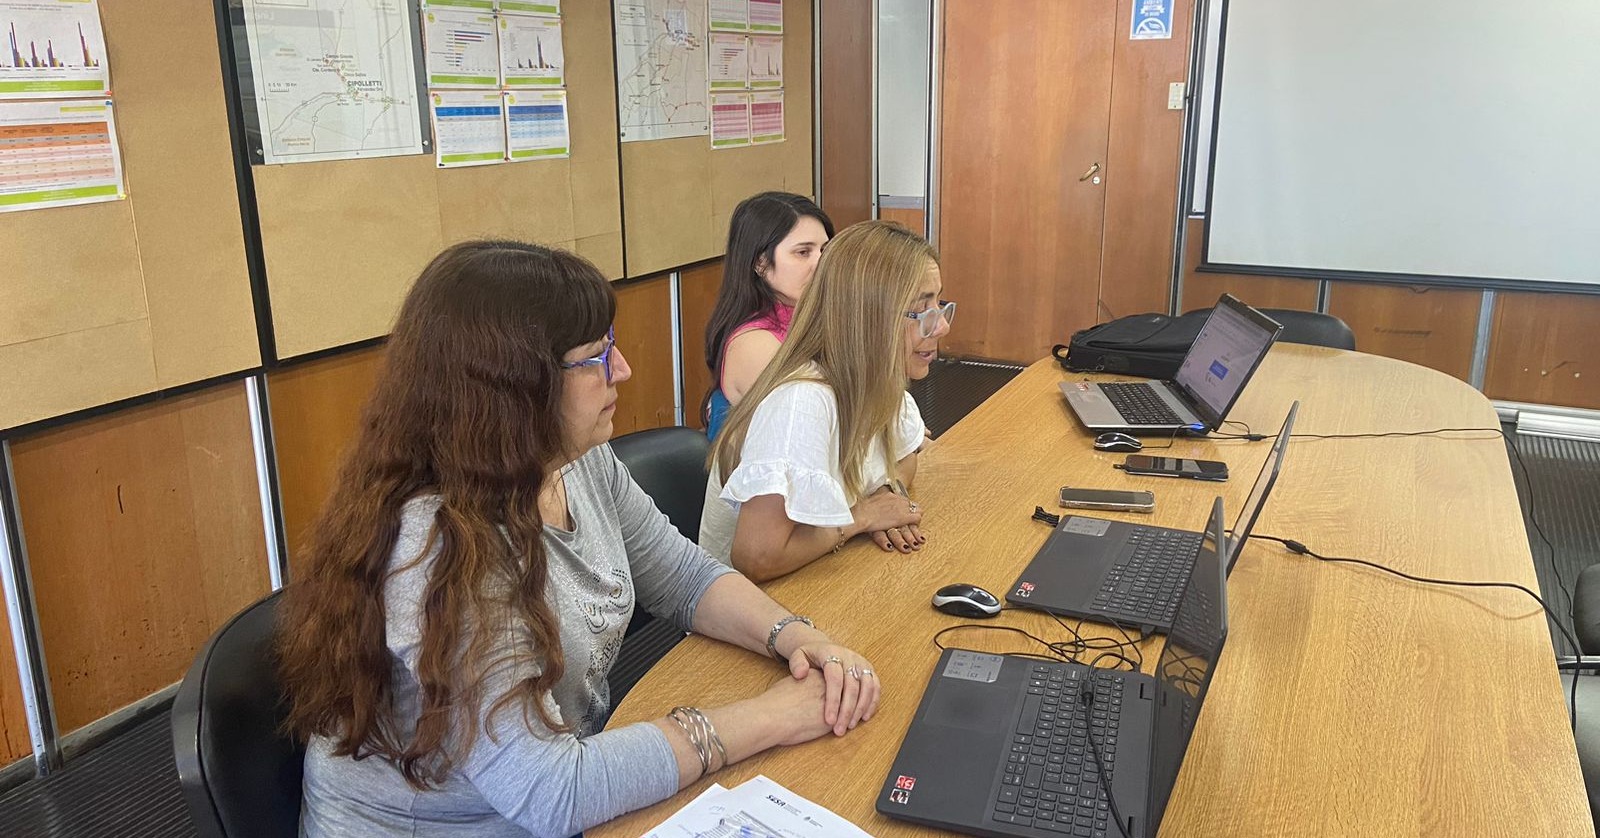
x: 852, y: 684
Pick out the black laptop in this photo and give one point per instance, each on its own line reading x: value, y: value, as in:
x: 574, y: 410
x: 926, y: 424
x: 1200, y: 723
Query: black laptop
x: 1131, y: 574
x: 1221, y: 360
x: 1007, y: 745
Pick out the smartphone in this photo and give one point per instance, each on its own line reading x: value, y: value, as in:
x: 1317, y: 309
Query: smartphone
x: 1174, y: 467
x: 1107, y: 499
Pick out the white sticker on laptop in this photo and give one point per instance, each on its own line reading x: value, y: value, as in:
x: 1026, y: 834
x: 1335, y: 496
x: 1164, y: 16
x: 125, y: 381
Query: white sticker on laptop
x: 973, y: 666
x: 1085, y: 526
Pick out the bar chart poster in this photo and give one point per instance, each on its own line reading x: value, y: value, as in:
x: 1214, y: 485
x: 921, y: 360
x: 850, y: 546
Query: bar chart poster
x: 766, y: 117
x: 468, y: 127
x: 730, y: 62
x: 530, y: 52
x: 57, y: 154
x: 52, y: 49
x: 536, y: 125
x: 461, y: 49
x: 766, y: 61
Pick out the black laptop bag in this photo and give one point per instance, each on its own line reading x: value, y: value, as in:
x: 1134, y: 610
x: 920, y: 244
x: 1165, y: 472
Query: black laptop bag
x: 1148, y: 345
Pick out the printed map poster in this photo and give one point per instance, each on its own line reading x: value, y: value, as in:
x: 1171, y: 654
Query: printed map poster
x: 52, y: 48
x: 662, y: 89
x: 334, y: 79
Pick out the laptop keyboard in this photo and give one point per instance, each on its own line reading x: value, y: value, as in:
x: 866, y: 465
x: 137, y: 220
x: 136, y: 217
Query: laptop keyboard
x: 1139, y: 404
x: 1143, y: 587
x: 1052, y: 780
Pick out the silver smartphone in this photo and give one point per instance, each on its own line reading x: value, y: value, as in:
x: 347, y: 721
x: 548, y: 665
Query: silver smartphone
x: 1111, y: 499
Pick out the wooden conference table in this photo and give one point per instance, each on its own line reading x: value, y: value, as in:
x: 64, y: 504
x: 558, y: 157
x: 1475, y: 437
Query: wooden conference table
x: 1346, y: 702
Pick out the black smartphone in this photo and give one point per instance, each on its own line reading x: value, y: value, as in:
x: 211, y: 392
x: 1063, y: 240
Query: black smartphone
x: 1111, y: 499
x: 1174, y: 467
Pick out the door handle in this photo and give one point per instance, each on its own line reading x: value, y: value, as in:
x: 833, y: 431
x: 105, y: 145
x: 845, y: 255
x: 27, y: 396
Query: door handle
x: 1090, y: 173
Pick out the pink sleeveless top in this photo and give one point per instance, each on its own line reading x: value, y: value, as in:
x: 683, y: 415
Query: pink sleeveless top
x: 776, y: 321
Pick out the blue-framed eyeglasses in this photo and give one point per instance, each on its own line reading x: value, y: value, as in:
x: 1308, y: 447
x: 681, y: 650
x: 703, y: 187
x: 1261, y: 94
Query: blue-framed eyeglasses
x: 603, y: 359
x: 929, y: 318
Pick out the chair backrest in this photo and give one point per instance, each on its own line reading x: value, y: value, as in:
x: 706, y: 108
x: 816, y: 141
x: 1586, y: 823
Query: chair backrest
x: 1312, y: 328
x: 669, y: 464
x: 239, y: 775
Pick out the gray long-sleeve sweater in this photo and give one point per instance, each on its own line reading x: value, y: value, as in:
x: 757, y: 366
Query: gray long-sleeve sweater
x: 519, y: 781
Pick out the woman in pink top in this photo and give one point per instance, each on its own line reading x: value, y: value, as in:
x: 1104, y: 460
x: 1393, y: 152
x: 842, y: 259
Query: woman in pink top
x: 774, y: 242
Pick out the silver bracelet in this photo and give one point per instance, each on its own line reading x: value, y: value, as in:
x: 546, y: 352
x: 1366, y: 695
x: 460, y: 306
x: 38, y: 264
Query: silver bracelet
x: 685, y: 718
x: 772, y: 636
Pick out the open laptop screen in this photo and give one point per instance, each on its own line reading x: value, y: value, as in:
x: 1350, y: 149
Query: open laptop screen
x: 1187, y: 661
x: 1227, y: 351
x: 1258, y: 494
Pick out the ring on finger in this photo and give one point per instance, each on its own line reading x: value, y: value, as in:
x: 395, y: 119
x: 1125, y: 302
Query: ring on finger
x: 866, y: 671
x: 833, y: 659
x: 913, y: 507
x: 854, y: 673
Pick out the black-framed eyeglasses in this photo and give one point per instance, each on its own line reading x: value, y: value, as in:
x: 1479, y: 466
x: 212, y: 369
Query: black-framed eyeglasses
x: 929, y: 318
x: 603, y: 359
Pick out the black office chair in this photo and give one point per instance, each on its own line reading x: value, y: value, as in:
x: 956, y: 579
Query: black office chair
x: 1586, y: 627
x: 669, y: 464
x: 1310, y: 327
x: 241, y: 778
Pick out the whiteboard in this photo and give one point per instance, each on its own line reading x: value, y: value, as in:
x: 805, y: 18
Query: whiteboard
x: 1430, y: 138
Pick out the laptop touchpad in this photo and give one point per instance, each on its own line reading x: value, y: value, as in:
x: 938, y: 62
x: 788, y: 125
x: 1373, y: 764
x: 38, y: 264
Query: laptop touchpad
x: 967, y: 695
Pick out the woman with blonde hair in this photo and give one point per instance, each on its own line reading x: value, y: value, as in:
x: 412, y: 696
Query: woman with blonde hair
x: 823, y: 445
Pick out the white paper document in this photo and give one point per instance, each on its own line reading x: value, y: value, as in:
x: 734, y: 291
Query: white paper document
x: 730, y: 120
x: 766, y: 61
x: 331, y: 85
x: 461, y: 48
x: 730, y: 62
x: 662, y: 90
x: 757, y: 808
x: 56, y: 154
x: 536, y: 125
x: 52, y: 49
x: 730, y: 16
x: 766, y: 117
x: 531, y: 54
x: 468, y: 127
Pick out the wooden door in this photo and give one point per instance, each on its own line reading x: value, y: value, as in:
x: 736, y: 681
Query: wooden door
x: 1024, y: 115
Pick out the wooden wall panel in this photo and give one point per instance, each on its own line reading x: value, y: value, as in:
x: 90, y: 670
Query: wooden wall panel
x: 316, y: 411
x: 1201, y: 290
x: 644, y: 334
x: 1026, y: 93
x: 14, y: 741
x: 698, y: 287
x: 915, y: 218
x: 144, y: 534
x: 1141, y: 173
x: 845, y: 32
x: 1434, y: 327
x: 1545, y: 349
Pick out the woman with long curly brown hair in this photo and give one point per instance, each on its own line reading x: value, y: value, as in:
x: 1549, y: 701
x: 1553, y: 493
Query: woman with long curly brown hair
x: 467, y: 586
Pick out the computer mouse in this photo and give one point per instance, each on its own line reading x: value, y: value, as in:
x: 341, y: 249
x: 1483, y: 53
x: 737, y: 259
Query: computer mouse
x: 1117, y: 441
x: 964, y: 600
